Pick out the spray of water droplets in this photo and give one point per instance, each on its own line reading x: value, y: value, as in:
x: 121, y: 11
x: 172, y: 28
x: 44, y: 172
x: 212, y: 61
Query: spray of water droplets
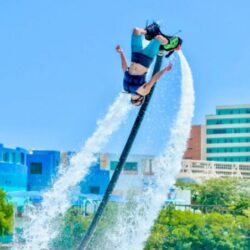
x: 41, y: 227
x: 136, y: 217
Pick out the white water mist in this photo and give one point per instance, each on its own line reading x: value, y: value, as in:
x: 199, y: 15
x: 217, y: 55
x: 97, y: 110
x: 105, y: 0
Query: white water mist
x: 133, y: 226
x: 40, y: 229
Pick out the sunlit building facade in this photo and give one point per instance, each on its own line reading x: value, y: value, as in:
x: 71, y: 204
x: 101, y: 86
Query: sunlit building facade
x: 42, y: 169
x: 228, y: 134
x: 204, y: 170
x: 13, y: 169
x: 23, y: 170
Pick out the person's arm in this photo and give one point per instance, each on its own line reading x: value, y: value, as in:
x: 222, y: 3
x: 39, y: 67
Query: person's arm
x: 123, y: 58
x: 146, y: 88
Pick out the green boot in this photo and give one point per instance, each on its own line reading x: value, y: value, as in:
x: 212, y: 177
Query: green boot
x: 174, y: 43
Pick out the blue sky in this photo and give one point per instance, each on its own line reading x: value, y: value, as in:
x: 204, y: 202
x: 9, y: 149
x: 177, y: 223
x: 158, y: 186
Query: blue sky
x: 59, y: 70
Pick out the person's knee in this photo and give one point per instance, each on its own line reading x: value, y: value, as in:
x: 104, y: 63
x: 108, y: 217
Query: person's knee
x: 161, y: 39
x: 136, y: 31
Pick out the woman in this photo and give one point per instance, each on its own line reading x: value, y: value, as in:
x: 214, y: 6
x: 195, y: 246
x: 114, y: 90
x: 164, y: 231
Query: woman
x: 135, y: 75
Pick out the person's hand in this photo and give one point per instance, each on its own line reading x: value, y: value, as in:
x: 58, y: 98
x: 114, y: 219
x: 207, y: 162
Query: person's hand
x: 169, y: 67
x: 119, y: 49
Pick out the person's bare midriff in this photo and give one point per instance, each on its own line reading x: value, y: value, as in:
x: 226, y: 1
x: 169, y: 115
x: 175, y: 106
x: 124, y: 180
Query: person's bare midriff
x: 137, y: 69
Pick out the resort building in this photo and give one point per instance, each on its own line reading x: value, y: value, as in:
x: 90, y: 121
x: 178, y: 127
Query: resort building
x: 13, y: 169
x: 228, y: 134
x: 220, y: 148
x: 42, y: 168
x: 137, y: 171
x: 96, y: 181
x: 23, y: 170
x: 203, y: 170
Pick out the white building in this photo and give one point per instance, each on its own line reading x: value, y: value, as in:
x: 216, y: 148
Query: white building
x: 203, y: 170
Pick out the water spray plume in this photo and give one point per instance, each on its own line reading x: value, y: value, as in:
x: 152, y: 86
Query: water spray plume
x: 133, y: 226
x: 41, y: 229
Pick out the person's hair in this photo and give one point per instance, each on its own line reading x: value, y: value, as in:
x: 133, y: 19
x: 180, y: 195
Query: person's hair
x: 139, y: 101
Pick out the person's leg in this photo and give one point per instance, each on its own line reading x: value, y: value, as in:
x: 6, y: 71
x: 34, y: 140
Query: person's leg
x: 136, y: 41
x: 152, y: 48
x: 139, y: 31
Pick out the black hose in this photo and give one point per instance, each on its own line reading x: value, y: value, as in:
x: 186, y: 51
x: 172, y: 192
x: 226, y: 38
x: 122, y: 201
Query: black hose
x: 87, y: 237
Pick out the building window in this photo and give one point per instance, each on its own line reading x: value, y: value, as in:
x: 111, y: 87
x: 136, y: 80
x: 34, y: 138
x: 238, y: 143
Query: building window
x: 36, y: 168
x: 216, y: 131
x: 227, y: 121
x: 245, y: 168
x: 22, y: 158
x: 18, y: 158
x: 228, y: 150
x: 228, y: 140
x: 113, y: 165
x: 233, y: 111
x: 13, y: 158
x: 147, y: 167
x: 228, y: 131
x: 6, y: 156
x: 230, y: 159
x: 94, y: 189
x: 130, y: 166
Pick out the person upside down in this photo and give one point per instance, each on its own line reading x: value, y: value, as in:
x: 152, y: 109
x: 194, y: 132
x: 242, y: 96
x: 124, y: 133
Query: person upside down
x: 134, y: 81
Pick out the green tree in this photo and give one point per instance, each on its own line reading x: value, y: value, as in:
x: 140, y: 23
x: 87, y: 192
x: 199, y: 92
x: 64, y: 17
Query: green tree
x: 184, y: 230
x: 6, y: 214
x: 223, y: 195
x: 218, y: 192
x: 73, y: 226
